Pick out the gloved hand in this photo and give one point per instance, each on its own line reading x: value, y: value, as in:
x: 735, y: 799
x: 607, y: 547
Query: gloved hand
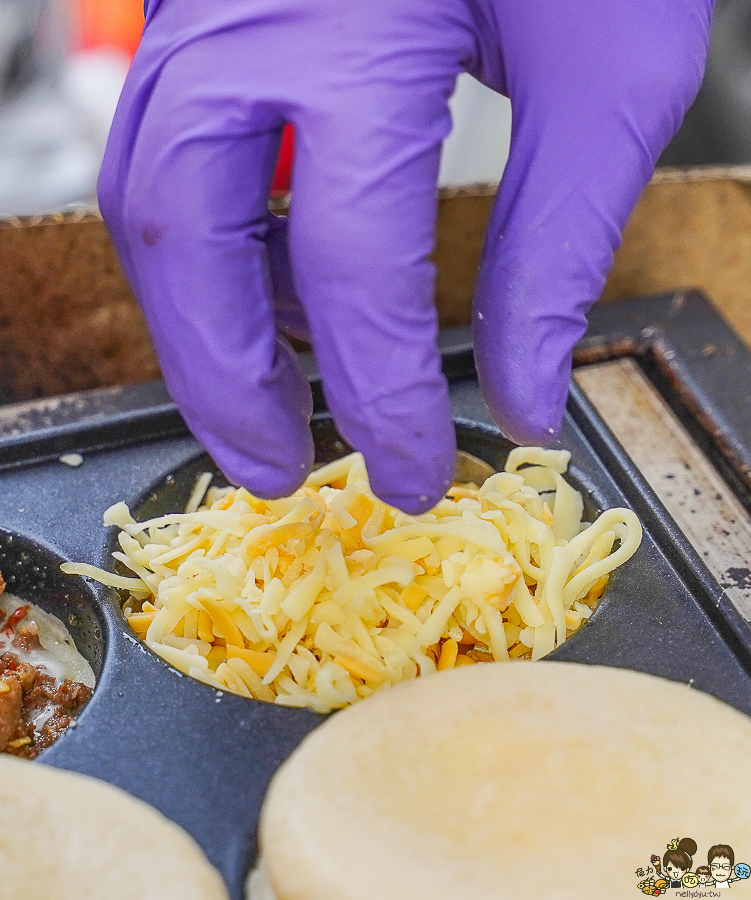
x: 597, y: 90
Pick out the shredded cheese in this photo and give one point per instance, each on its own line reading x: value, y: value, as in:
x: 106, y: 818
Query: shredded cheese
x: 324, y: 597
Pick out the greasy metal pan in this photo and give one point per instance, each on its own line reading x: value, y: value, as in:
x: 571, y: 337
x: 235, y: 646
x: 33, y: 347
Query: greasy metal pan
x: 203, y: 757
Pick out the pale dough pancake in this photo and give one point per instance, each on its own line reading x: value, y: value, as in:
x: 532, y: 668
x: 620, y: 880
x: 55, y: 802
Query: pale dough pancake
x: 65, y: 836
x: 529, y: 781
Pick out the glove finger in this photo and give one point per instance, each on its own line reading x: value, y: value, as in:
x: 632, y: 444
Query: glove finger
x: 289, y: 313
x: 588, y: 127
x: 361, y: 233
x: 184, y: 191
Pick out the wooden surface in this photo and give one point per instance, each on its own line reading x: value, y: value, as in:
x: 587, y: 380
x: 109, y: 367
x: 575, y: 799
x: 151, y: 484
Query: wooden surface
x: 692, y: 491
x: 69, y: 322
x: 68, y: 319
x: 691, y: 229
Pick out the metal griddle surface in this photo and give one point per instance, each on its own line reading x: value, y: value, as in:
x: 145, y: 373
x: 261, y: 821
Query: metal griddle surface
x: 204, y: 758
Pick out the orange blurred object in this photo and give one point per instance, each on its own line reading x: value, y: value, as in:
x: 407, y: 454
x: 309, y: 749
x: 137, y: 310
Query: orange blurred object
x: 117, y: 24
x: 109, y: 23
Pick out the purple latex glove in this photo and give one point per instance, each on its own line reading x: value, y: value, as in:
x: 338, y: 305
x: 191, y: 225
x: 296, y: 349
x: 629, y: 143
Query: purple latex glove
x: 597, y: 90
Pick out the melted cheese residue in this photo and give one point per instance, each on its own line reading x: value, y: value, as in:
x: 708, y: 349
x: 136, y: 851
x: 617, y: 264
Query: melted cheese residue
x: 58, y: 656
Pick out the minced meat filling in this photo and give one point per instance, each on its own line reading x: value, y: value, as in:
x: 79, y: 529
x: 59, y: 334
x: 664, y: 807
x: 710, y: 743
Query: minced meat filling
x: 34, y: 708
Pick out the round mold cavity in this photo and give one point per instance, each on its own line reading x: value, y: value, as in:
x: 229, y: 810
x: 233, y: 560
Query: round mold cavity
x: 487, y: 444
x: 171, y: 493
x: 32, y: 572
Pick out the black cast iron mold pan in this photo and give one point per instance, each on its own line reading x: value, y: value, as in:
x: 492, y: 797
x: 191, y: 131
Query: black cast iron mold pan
x: 204, y: 758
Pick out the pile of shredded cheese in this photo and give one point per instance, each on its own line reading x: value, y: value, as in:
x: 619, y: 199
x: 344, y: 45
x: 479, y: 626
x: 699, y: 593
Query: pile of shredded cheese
x: 329, y: 595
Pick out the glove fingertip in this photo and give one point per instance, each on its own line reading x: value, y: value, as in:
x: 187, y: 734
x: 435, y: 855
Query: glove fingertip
x: 528, y: 405
x: 527, y: 433
x: 416, y: 482
x: 268, y: 479
x: 413, y: 504
x: 408, y: 441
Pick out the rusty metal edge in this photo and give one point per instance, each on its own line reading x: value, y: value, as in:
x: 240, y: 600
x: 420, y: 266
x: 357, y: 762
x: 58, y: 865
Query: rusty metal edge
x: 698, y: 363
